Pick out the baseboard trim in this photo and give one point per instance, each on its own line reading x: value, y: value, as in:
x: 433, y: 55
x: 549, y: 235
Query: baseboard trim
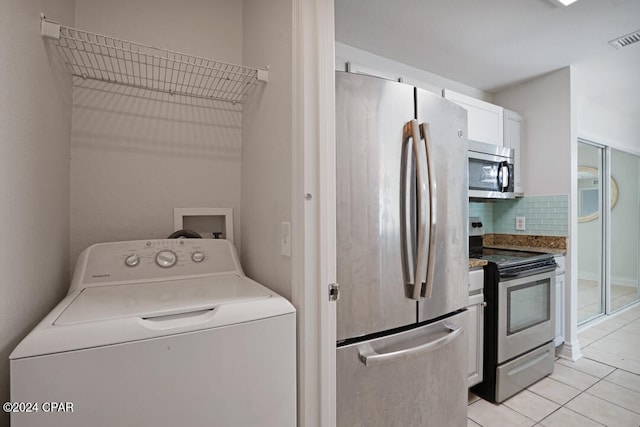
x: 569, y: 351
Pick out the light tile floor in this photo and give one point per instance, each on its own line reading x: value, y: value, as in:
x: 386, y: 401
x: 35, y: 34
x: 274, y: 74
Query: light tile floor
x: 600, y: 389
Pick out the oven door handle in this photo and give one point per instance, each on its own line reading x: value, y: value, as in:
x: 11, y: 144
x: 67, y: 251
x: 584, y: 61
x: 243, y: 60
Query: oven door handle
x: 370, y: 357
x: 529, y: 272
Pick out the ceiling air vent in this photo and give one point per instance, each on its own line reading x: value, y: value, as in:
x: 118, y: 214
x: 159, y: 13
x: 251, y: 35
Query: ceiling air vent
x: 625, y: 41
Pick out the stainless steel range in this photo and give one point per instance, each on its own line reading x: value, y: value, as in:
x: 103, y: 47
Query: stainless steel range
x: 519, y: 317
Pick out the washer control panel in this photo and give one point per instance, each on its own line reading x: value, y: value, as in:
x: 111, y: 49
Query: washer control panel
x: 155, y: 259
x: 166, y: 258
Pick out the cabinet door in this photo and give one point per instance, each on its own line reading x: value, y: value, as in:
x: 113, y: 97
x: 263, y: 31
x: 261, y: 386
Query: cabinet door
x: 485, y: 120
x: 559, y: 339
x: 475, y: 331
x: 513, y: 126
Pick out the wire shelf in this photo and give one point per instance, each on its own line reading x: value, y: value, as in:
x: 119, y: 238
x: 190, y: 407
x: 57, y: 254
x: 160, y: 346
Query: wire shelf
x: 94, y: 56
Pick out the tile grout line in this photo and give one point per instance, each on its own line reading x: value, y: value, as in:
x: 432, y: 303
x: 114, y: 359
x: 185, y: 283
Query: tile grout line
x: 616, y: 384
x: 586, y: 391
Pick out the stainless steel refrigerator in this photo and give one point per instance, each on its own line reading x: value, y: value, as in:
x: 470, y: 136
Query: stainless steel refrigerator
x: 402, y: 255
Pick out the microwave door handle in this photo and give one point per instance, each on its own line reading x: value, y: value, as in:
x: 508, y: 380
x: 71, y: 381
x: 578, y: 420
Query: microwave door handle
x: 405, y: 210
x: 505, y: 175
x: 433, y: 203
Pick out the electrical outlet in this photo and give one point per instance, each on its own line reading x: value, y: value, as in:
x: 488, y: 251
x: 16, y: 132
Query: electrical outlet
x: 520, y: 223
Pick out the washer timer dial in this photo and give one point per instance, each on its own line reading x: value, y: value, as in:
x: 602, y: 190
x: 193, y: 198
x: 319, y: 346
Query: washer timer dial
x: 132, y: 260
x: 166, y: 258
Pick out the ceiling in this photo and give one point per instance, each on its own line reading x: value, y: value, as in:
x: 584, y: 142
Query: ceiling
x: 494, y: 44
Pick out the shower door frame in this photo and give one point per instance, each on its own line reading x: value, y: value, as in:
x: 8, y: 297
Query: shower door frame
x: 605, y: 256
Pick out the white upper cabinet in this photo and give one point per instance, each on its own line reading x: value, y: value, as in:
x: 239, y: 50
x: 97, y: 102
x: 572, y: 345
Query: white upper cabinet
x: 485, y: 120
x: 513, y: 123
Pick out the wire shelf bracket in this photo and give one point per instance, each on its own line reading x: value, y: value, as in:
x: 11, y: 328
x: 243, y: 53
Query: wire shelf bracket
x: 94, y: 56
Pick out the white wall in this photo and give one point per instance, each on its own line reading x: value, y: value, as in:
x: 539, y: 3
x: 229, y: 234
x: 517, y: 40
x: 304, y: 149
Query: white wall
x: 267, y: 143
x: 545, y: 103
x: 137, y: 154
x: 374, y: 64
x: 549, y: 156
x: 35, y: 119
x: 608, y: 127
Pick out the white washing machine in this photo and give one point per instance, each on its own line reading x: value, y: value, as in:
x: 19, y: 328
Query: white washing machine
x: 159, y: 333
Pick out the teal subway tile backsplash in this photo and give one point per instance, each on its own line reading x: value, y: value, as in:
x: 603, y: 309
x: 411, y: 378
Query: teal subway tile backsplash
x: 484, y: 211
x: 544, y: 215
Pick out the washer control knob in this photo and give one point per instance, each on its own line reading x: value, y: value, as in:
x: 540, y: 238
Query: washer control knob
x: 197, y: 257
x: 166, y: 258
x: 132, y: 260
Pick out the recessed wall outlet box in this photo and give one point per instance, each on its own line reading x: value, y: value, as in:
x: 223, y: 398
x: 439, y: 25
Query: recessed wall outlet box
x: 520, y: 223
x: 210, y: 223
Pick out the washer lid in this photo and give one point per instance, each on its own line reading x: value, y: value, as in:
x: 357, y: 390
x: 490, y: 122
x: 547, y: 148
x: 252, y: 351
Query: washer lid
x: 153, y: 299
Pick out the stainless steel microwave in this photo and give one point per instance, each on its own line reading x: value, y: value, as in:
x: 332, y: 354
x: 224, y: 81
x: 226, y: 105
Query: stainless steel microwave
x: 490, y: 171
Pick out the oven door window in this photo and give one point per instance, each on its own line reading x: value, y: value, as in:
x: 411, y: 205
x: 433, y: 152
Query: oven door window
x: 528, y: 305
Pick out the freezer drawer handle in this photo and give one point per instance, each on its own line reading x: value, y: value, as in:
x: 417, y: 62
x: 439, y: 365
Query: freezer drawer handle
x: 370, y: 357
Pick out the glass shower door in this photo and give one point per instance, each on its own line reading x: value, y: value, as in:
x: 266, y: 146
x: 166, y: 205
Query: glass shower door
x: 624, y: 229
x: 590, y: 232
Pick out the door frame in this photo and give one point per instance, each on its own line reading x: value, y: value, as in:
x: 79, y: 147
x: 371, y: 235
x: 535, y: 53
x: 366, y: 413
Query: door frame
x: 606, y: 218
x: 313, y: 208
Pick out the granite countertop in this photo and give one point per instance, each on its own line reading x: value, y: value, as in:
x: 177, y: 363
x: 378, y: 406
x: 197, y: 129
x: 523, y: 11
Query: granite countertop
x: 556, y: 245
x: 477, y: 263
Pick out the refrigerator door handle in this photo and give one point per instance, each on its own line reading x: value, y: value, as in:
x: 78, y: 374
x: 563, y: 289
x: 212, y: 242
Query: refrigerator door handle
x: 371, y: 357
x: 433, y: 199
x: 408, y: 256
x: 422, y: 170
x: 417, y: 274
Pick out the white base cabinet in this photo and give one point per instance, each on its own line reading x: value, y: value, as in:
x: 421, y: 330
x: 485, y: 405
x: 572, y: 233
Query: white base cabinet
x: 560, y: 276
x: 475, y: 326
